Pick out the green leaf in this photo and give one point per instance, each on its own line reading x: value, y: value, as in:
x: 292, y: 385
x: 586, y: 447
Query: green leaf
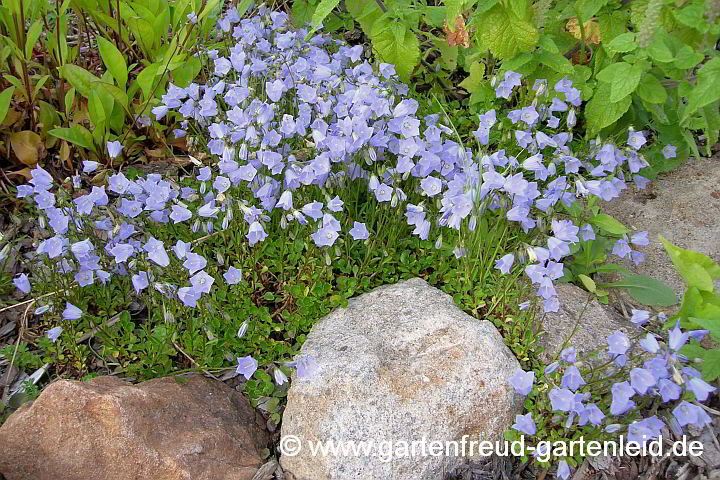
x: 69, y: 99
x: 79, y: 78
x: 146, y: 78
x: 622, y: 43
x: 301, y: 13
x: 646, y: 290
x: 114, y: 61
x: 504, y: 33
x: 5, y: 98
x: 697, y: 269
x: 609, y: 224
x: 396, y: 44
x: 555, y: 61
x: 475, y: 79
x: 321, y: 12
x: 623, y: 79
x: 365, y: 12
x: 651, y: 90
x: 660, y: 50
x: 77, y: 134
x: 588, y: 8
x: 183, y: 75
x: 588, y: 282
x: 711, y: 365
x: 711, y: 324
x: 687, y: 58
x: 33, y: 34
x: 707, y: 89
x: 600, y: 113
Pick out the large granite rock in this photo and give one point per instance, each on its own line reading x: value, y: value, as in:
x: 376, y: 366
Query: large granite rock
x: 596, y: 323
x: 400, y: 364
x: 684, y: 207
x: 110, y: 429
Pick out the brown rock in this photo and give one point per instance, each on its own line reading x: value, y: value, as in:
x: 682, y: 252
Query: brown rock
x: 111, y: 429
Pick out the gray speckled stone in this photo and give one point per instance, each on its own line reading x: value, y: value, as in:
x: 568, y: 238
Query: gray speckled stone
x: 596, y: 323
x: 400, y: 363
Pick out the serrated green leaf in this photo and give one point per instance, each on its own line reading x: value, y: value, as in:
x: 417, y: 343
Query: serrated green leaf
x: 623, y: 43
x: 687, y: 58
x: 5, y: 98
x: 609, y: 224
x: 555, y: 61
x: 651, y: 90
x: 114, y: 61
x: 660, y: 50
x: 600, y: 113
x: 707, y: 89
x: 365, y: 12
x: 588, y: 8
x: 395, y: 44
x: 623, y: 79
x: 646, y: 290
x: 504, y: 33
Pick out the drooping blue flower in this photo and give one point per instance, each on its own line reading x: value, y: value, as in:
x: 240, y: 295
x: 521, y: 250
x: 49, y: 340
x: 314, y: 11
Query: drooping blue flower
x: 22, y: 283
x: 54, y: 333
x: 156, y: 252
x: 640, y: 317
x: 114, y: 149
x: 279, y: 376
x: 525, y: 424
x: 689, y: 414
x: 572, y: 378
x: 642, y: 380
x: 140, y: 281
x: 700, y: 388
x: 71, y: 312
x: 618, y: 343
x: 522, y: 381
x: 561, y: 399
x: 246, y: 366
x: 563, y: 470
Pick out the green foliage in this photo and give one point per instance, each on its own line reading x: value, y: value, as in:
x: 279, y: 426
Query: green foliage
x: 651, y: 65
x: 142, y: 46
x: 700, y: 307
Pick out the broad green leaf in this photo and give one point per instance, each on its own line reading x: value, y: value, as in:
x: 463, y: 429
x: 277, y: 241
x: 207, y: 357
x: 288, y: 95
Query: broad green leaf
x: 448, y: 54
x: 660, y: 50
x: 321, y: 12
x: 95, y: 109
x: 555, y: 61
x: 697, y: 269
x: 588, y: 8
x: 712, y: 324
x: 687, y: 58
x: 711, y: 365
x: 33, y: 34
x: 5, y: 98
x: 185, y: 74
x: 707, y: 88
x: 651, y: 90
x: 504, y: 33
x: 365, y: 12
x: 475, y: 79
x: 114, y: 61
x: 117, y: 94
x: 588, y: 282
x: 79, y: 78
x: 600, y: 113
x: 301, y: 13
x: 609, y: 224
x: 623, y: 79
x: 622, y: 43
x: 146, y: 78
x: 77, y: 134
x: 646, y: 290
x: 396, y: 44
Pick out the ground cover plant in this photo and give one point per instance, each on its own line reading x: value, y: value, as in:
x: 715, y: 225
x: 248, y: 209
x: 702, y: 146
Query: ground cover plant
x: 77, y: 74
x: 655, y: 61
x: 323, y: 176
